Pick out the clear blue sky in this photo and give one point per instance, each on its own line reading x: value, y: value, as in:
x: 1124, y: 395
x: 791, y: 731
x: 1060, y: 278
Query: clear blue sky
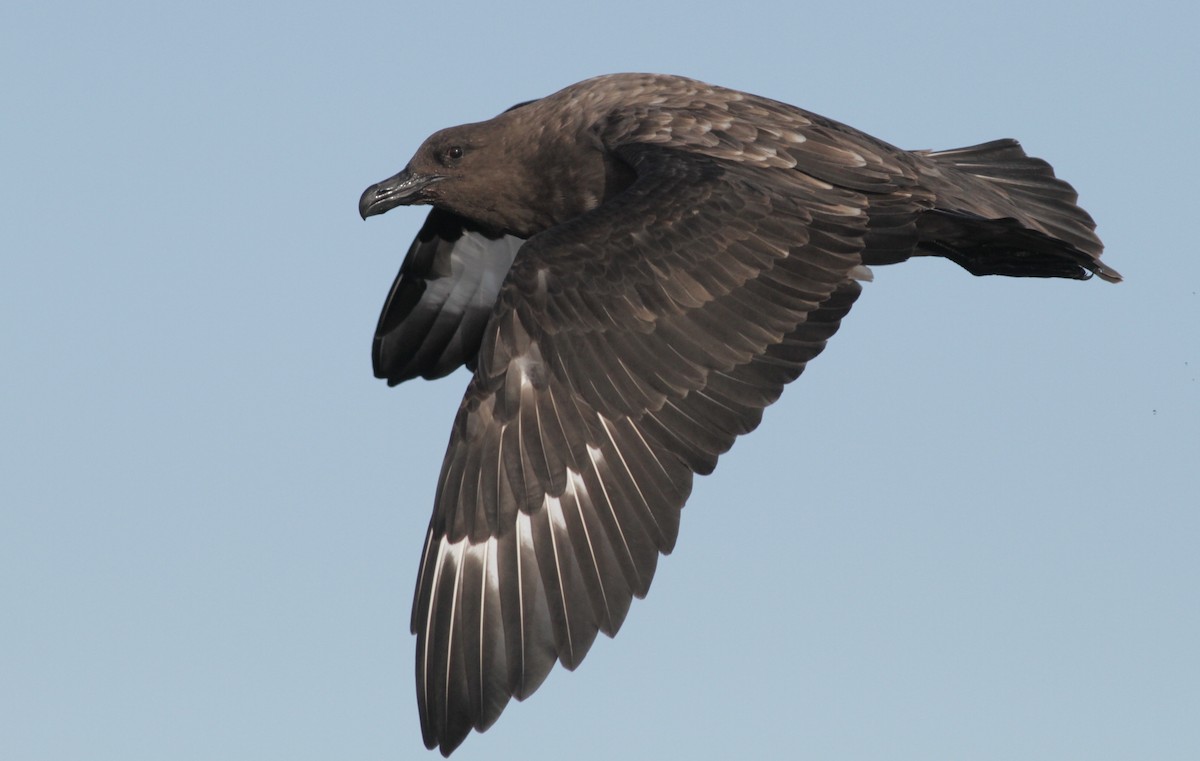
x: 969, y: 532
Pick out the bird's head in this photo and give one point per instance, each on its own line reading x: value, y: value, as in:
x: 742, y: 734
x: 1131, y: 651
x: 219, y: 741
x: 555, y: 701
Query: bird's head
x: 446, y: 170
x: 507, y: 174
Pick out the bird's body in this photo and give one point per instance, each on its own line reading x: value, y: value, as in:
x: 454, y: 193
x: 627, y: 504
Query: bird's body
x: 634, y: 267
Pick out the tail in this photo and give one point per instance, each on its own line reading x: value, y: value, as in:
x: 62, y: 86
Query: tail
x: 1000, y: 212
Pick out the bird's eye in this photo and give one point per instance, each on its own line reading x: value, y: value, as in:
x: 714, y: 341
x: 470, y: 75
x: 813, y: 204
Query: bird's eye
x: 453, y: 153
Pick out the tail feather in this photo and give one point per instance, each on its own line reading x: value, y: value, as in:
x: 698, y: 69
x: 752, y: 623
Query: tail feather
x: 1000, y: 212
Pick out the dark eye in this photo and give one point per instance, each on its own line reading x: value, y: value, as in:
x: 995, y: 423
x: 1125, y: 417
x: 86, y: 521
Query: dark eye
x: 453, y: 153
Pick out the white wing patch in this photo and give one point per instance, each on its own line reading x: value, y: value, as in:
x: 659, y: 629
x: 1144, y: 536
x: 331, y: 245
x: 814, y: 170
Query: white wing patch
x: 560, y: 544
x: 524, y: 550
x: 457, y: 557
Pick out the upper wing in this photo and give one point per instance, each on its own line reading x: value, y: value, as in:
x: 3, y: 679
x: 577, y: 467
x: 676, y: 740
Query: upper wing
x: 628, y: 349
x: 435, y: 314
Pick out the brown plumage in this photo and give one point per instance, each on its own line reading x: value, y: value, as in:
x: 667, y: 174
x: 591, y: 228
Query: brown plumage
x: 633, y: 268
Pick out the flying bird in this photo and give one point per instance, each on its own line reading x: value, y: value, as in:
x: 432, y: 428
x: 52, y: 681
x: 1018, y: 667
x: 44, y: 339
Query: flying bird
x: 633, y: 268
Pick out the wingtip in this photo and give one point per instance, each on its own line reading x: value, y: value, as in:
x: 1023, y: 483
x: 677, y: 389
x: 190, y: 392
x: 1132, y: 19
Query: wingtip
x: 1106, y: 273
x: 447, y: 742
x: 862, y: 273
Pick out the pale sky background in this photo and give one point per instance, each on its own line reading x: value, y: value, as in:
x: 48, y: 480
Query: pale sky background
x: 970, y: 531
